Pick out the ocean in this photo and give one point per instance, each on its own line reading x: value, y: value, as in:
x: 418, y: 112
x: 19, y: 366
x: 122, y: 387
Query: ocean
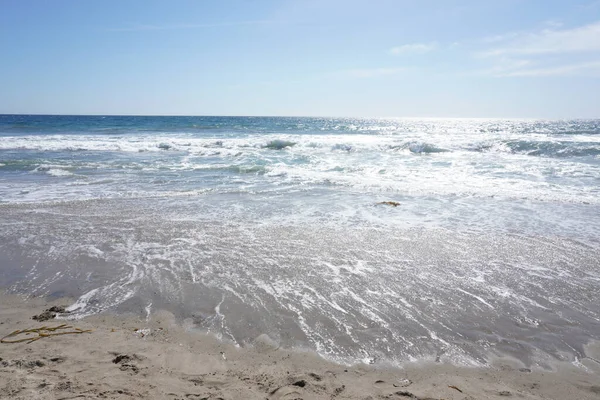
x: 243, y: 226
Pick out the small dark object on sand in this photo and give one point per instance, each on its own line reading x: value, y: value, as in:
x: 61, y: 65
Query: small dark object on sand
x: 50, y: 313
x: 455, y: 388
x: 389, y: 203
x: 121, y: 358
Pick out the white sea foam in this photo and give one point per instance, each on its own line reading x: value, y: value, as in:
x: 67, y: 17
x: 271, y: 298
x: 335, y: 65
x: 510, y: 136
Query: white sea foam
x: 421, y: 164
x: 380, y: 293
x: 53, y: 170
x: 280, y: 231
x: 59, y: 172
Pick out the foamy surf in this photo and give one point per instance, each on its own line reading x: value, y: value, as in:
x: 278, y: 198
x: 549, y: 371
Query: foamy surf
x: 376, y: 241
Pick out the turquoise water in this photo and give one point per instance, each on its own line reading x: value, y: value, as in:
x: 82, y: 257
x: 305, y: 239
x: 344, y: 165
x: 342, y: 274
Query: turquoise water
x: 250, y: 225
x: 131, y: 156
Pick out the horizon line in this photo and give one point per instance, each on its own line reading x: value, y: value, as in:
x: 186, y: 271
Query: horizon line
x: 293, y: 116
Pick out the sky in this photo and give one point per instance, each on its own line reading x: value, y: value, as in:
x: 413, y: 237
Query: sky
x: 371, y: 58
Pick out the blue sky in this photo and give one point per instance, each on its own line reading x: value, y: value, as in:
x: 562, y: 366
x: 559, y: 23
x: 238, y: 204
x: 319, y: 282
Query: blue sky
x: 405, y: 58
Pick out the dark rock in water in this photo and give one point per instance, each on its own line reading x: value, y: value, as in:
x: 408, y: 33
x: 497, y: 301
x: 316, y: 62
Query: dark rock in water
x: 389, y: 203
x: 50, y: 313
x: 164, y: 146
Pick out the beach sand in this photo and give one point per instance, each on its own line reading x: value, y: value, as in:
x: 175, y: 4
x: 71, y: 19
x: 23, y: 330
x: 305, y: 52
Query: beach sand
x: 127, y: 357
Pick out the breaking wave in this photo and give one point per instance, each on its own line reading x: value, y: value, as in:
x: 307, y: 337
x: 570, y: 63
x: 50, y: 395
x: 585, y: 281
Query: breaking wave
x: 425, y: 148
x: 53, y: 170
x: 559, y: 149
x: 279, y: 144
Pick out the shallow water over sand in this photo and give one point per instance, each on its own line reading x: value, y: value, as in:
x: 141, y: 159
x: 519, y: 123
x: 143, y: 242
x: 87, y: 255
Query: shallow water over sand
x: 353, y: 292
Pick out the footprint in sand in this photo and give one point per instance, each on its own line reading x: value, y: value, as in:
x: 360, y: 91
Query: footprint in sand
x: 291, y: 391
x: 286, y: 393
x: 125, y: 362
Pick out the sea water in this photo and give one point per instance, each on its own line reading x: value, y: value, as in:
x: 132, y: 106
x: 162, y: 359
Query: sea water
x: 252, y: 225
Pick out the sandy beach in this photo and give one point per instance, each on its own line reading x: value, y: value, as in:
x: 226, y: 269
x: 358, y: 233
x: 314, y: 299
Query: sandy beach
x: 128, y: 357
x: 295, y: 200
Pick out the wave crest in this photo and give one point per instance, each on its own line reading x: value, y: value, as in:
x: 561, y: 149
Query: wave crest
x: 426, y: 148
x: 560, y: 149
x: 279, y: 144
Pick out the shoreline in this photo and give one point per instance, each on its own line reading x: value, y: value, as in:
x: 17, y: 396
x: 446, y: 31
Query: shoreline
x: 127, y: 357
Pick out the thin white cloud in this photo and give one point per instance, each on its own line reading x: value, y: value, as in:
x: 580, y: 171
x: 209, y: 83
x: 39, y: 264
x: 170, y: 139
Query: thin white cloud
x: 583, y: 39
x: 371, y: 72
x: 413, y: 48
x: 591, y: 68
x: 501, y: 38
x: 549, y: 52
x: 552, y: 23
x: 506, y: 66
x: 169, y: 27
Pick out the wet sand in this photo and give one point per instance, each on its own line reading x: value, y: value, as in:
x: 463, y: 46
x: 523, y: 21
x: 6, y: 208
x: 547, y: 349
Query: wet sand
x: 128, y: 357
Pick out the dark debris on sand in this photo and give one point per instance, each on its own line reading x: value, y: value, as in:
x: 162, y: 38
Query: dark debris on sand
x: 50, y: 313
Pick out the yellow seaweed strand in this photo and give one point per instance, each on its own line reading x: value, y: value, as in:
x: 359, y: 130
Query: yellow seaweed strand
x: 42, y: 332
